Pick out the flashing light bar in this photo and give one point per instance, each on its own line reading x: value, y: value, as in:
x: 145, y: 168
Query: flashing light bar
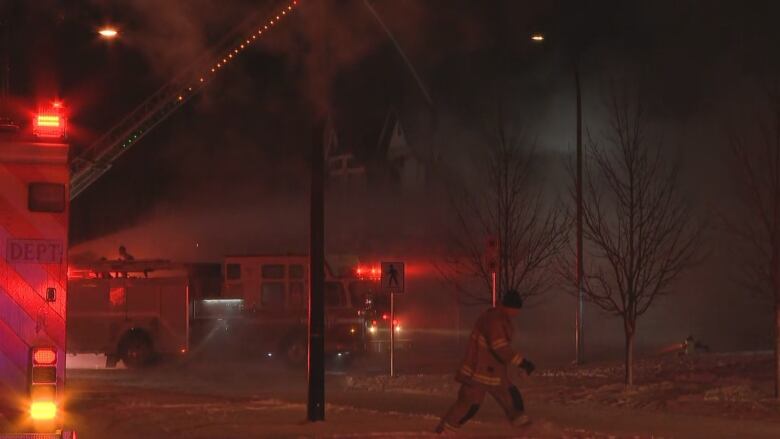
x: 51, y: 122
x: 364, y: 272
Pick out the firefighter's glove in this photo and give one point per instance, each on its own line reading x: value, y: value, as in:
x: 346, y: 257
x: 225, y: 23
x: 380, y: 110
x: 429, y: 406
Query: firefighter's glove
x: 527, y: 366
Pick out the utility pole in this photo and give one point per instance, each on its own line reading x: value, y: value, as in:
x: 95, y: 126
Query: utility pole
x: 316, y: 366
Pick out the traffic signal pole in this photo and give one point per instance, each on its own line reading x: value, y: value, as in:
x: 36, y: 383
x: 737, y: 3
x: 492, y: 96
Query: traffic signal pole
x: 316, y: 366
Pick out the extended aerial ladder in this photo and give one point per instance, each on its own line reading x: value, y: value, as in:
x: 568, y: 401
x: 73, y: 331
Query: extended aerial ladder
x: 95, y: 160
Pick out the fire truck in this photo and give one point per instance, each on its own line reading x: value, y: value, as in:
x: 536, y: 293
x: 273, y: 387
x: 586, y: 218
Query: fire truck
x: 34, y: 185
x: 264, y: 302
x: 135, y: 311
x: 140, y: 310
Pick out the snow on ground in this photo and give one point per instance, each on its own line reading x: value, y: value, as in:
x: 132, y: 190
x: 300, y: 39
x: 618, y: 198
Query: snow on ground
x: 165, y: 415
x: 89, y: 361
x: 708, y: 396
x: 735, y: 384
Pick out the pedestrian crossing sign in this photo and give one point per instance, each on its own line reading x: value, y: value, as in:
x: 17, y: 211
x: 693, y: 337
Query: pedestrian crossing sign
x: 392, y: 279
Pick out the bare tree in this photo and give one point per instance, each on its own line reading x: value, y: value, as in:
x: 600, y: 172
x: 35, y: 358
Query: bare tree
x: 758, y: 229
x: 508, y: 203
x: 637, y: 226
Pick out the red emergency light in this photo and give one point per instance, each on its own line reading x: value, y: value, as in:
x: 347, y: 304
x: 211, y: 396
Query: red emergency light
x: 368, y: 272
x: 44, y: 356
x: 50, y: 123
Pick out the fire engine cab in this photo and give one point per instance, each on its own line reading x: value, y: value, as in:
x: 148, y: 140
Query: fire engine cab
x: 33, y: 275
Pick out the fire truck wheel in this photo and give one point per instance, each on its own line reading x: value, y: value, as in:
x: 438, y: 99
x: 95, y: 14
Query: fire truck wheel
x: 295, y: 351
x: 136, y: 350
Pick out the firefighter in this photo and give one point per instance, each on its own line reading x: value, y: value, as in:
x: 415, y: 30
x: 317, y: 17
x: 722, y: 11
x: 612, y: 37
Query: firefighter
x: 124, y: 255
x: 485, y: 368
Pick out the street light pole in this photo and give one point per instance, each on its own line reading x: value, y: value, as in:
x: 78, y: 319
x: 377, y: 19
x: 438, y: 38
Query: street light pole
x: 579, y: 350
x: 578, y: 336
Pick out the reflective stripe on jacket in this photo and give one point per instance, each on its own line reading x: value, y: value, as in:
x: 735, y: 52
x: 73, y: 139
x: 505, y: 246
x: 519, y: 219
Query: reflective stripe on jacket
x: 489, y: 352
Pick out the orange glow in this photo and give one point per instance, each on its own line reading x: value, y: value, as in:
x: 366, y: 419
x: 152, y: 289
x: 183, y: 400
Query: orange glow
x: 43, y: 410
x: 538, y: 37
x: 44, y: 356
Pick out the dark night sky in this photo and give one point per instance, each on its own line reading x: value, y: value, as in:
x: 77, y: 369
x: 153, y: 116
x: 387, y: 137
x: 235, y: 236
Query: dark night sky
x: 248, y: 133
x: 234, y: 158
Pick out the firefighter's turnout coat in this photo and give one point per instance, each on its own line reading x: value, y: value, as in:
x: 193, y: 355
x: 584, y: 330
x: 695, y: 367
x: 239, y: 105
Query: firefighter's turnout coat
x: 489, y: 351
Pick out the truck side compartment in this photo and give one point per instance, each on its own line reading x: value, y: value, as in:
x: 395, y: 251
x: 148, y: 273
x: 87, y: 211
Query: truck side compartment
x: 132, y: 319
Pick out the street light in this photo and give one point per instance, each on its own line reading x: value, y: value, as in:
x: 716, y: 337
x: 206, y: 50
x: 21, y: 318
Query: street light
x: 579, y: 358
x: 108, y: 32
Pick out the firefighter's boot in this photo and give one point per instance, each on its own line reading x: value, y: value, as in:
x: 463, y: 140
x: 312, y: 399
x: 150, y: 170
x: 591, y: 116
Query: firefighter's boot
x: 521, y: 421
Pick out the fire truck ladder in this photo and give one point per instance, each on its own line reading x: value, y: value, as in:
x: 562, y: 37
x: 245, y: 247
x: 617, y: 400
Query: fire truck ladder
x: 97, y: 158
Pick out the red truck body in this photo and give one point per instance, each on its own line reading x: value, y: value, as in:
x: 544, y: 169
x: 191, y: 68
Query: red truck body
x: 34, y: 181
